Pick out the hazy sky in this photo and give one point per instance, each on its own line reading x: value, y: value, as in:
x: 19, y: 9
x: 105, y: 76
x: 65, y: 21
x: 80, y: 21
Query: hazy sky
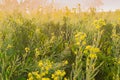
x: 107, y: 4
x: 111, y: 4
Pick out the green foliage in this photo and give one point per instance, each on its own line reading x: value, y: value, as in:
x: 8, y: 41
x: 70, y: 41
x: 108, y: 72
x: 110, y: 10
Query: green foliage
x: 74, y: 43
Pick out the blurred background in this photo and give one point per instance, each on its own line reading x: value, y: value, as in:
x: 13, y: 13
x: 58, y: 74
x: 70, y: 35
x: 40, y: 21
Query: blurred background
x: 31, y: 5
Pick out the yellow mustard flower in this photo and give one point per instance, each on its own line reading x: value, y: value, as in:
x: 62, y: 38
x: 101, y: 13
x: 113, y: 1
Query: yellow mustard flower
x: 88, y: 47
x: 45, y: 78
x: 78, y: 43
x: 31, y: 78
x: 43, y: 74
x: 65, y: 79
x: 65, y: 62
x: 29, y: 74
x: 99, y: 23
x: 92, y: 49
x: 63, y: 73
x: 119, y: 62
x: 83, y: 36
x: 75, y: 52
x: 27, y: 49
x: 38, y: 76
x: 56, y: 78
x: 40, y: 64
x: 92, y: 56
x: 60, y: 73
x: 84, y: 43
x: 53, y: 75
x: 9, y: 46
x: 96, y: 50
x: 80, y: 36
x: 37, y: 52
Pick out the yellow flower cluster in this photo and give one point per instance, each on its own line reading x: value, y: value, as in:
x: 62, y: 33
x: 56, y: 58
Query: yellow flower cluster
x: 36, y: 75
x: 45, y: 65
x: 45, y: 78
x: 40, y: 64
x: 115, y: 36
x: 80, y: 37
x: 88, y: 47
x: 32, y: 74
x: 52, y: 38
x: 99, y: 23
x: 93, y: 55
x: 59, y: 74
x: 37, y: 52
x: 65, y: 62
x: 27, y: 49
x: 9, y: 46
x: 92, y: 49
x: 119, y: 62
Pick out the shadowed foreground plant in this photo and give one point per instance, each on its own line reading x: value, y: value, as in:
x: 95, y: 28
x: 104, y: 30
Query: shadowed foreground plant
x: 116, y: 49
x: 91, y: 68
x: 80, y: 42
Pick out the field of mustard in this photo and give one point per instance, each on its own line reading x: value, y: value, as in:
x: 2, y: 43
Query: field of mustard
x: 60, y: 46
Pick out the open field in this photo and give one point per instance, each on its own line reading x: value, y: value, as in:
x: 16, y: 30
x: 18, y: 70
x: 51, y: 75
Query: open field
x: 60, y: 45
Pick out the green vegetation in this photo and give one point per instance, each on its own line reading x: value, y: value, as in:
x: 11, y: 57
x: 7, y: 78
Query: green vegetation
x: 60, y: 46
